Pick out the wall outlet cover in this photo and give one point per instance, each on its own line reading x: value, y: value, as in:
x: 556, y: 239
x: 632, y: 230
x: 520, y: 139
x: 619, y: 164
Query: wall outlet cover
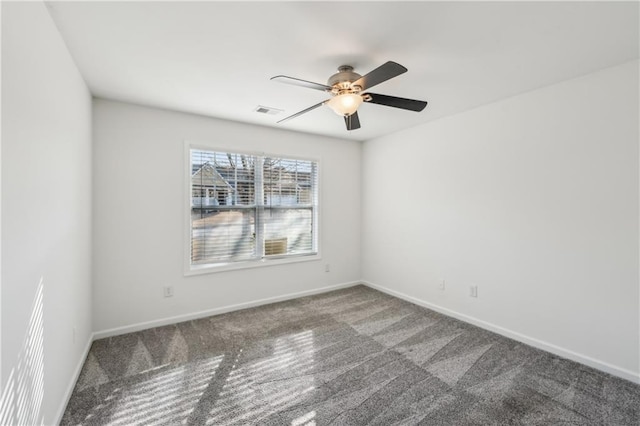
x: 473, y: 291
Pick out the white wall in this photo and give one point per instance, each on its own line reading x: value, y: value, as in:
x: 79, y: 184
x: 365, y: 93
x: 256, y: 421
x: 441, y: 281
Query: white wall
x: 46, y: 212
x: 139, y: 208
x: 534, y: 199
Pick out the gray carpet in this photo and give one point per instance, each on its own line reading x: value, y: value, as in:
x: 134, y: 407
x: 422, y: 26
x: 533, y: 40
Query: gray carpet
x: 350, y: 357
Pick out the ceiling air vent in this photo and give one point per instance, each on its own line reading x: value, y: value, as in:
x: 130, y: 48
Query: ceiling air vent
x: 267, y: 110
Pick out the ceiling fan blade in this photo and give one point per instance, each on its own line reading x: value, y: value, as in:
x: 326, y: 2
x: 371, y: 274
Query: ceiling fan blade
x: 392, y: 101
x: 303, y: 83
x: 303, y: 111
x: 383, y: 73
x: 352, y: 121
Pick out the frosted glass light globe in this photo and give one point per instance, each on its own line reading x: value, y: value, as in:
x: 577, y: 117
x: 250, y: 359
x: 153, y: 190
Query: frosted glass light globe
x: 345, y: 104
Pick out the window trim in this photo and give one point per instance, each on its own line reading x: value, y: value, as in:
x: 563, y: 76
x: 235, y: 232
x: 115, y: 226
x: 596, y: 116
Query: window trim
x: 189, y: 269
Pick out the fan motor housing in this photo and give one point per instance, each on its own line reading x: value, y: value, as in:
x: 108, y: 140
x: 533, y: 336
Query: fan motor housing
x: 345, y: 74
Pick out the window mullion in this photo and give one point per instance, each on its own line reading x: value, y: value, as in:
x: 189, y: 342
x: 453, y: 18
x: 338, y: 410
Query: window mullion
x: 259, y: 202
x: 314, y: 202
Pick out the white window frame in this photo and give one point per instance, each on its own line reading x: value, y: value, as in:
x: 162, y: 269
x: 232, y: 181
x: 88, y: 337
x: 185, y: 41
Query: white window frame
x: 190, y: 269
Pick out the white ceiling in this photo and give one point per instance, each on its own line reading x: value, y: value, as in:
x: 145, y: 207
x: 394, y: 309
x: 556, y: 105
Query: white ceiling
x: 216, y: 58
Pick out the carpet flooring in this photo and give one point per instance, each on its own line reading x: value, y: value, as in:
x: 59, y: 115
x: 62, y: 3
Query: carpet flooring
x: 349, y: 357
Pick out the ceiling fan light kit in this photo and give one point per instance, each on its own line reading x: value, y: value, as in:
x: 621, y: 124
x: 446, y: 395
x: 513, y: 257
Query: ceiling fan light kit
x: 346, y: 87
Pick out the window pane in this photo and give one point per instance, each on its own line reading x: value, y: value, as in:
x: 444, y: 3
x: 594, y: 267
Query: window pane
x: 222, y: 235
x: 288, y: 231
x: 288, y: 182
x: 222, y: 179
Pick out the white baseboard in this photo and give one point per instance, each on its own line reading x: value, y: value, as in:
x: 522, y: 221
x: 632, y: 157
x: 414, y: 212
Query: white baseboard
x: 557, y: 350
x: 74, y: 379
x: 216, y: 311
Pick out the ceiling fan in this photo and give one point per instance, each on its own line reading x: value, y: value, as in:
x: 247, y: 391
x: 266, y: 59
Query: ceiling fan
x: 347, y: 87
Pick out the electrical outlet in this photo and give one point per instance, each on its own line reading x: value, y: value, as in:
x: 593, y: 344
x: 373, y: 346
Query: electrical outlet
x: 327, y: 268
x: 168, y: 291
x: 473, y: 291
x: 441, y: 285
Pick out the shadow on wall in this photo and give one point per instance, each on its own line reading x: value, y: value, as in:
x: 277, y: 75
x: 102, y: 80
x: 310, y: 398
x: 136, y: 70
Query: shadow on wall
x: 22, y: 397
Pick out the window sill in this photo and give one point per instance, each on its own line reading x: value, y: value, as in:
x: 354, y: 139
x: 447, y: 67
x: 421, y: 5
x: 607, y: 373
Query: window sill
x: 235, y: 266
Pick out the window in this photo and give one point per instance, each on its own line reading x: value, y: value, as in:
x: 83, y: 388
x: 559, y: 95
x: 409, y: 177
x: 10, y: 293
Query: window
x: 247, y: 207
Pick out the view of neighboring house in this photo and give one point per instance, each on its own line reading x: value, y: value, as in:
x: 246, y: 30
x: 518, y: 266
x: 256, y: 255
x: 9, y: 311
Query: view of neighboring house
x: 223, y: 183
x: 209, y: 188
